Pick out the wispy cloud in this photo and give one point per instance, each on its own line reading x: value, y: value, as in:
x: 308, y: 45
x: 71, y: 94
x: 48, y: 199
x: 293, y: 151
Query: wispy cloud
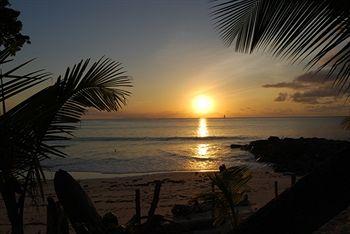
x: 288, y: 85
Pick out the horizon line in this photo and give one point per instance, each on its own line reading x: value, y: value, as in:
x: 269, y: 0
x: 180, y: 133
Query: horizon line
x: 232, y: 117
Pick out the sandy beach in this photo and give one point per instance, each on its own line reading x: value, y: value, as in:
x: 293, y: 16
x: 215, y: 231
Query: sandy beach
x: 117, y: 195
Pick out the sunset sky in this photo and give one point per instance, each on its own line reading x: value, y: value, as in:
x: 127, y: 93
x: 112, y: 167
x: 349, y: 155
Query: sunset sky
x: 174, y: 54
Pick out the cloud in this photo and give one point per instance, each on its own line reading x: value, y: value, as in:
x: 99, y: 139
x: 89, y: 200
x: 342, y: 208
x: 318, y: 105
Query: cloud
x: 318, y: 95
x: 335, y: 109
x: 312, y: 78
x: 281, y: 97
x: 288, y: 85
x: 309, y: 88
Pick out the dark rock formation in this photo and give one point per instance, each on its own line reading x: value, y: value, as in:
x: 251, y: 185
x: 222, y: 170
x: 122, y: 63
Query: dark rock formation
x: 235, y: 146
x: 295, y: 155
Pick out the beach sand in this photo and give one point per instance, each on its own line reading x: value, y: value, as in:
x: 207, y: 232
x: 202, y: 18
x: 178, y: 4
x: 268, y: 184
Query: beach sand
x: 117, y: 195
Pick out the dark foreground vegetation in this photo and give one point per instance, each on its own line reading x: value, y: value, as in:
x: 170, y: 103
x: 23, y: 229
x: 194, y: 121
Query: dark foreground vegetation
x: 316, y: 198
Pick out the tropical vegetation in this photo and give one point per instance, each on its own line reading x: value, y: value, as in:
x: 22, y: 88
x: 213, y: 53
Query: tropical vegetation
x: 34, y: 129
x: 232, y: 186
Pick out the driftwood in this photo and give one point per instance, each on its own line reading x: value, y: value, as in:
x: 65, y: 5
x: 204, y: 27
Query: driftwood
x: 77, y: 205
x: 154, y: 223
x: 155, y: 200
x: 57, y: 222
x: 310, y: 203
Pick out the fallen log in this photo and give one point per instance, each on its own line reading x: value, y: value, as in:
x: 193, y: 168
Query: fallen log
x: 155, y: 200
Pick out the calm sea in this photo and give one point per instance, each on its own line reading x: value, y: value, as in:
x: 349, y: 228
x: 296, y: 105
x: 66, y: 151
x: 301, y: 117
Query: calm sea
x: 164, y: 145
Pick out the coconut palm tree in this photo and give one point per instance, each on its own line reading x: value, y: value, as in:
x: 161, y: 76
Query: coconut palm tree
x: 31, y: 129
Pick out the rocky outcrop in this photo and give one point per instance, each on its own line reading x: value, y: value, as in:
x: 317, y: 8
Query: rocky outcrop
x: 300, y: 155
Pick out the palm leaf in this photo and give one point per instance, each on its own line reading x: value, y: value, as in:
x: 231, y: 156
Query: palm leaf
x: 12, y: 83
x: 36, y: 124
x: 232, y: 184
x: 315, y: 31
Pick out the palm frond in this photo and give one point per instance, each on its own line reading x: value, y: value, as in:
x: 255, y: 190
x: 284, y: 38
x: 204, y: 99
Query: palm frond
x: 232, y: 185
x: 12, y: 83
x: 36, y: 124
x: 316, y: 31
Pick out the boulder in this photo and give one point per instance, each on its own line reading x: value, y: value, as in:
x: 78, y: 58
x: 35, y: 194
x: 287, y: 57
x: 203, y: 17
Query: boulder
x: 235, y: 146
x: 300, y: 156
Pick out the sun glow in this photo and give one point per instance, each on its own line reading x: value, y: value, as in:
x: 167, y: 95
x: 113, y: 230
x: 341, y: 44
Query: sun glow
x: 202, y: 104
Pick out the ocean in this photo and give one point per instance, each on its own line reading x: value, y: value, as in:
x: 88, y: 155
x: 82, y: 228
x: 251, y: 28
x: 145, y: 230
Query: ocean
x: 142, y: 146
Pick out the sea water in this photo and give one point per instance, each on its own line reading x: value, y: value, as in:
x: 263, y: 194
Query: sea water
x: 129, y: 146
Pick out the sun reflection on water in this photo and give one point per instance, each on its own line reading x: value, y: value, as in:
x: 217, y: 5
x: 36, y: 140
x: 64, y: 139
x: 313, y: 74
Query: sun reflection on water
x: 202, y: 150
x: 203, y: 154
x: 202, y: 130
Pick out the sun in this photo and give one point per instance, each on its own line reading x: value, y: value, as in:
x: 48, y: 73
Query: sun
x: 202, y: 104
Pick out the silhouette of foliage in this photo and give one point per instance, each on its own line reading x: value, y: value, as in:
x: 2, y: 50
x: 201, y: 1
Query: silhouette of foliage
x: 13, y: 83
x: 10, y: 27
x: 317, y: 32
x: 232, y: 185
x: 31, y: 129
x: 50, y: 115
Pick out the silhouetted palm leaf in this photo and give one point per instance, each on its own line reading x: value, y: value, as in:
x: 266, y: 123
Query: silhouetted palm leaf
x: 12, y: 83
x: 36, y: 124
x: 317, y: 31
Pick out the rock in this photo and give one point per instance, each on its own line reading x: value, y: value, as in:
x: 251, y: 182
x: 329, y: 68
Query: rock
x: 273, y: 138
x: 245, y: 147
x: 300, y: 156
x: 235, y: 146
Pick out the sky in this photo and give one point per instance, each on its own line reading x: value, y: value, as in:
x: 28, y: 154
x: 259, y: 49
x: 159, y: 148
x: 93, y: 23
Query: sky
x: 173, y: 54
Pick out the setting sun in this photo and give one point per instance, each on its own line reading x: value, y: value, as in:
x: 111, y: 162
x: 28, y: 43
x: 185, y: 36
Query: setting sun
x: 202, y: 104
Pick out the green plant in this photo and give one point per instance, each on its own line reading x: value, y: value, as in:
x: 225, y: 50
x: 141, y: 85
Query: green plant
x: 232, y: 185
